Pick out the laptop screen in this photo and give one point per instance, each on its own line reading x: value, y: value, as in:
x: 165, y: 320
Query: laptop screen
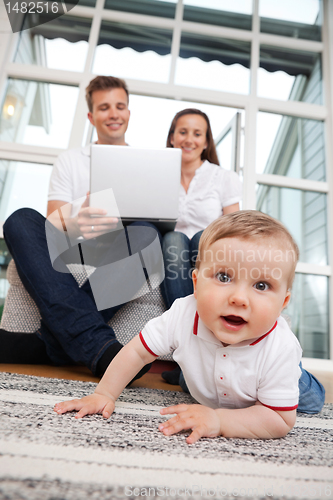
x: 137, y: 183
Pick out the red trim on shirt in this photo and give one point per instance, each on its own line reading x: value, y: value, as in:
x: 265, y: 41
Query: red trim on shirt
x: 196, y: 321
x: 281, y: 408
x: 145, y: 345
x: 263, y: 336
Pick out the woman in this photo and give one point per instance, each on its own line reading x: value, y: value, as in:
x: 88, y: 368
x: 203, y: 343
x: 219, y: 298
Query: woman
x: 206, y: 192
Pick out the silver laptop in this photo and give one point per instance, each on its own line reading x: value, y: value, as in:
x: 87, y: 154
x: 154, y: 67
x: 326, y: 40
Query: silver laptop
x: 136, y: 184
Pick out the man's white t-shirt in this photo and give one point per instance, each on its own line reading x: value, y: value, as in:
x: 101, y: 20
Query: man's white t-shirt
x: 70, y: 178
x: 264, y: 369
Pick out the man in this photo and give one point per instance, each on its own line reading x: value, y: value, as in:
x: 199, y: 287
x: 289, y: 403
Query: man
x: 72, y: 329
x: 107, y: 99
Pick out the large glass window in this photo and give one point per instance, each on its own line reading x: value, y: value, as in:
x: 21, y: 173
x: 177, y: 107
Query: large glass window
x: 213, y: 63
x: 47, y: 43
x: 211, y: 66
x: 133, y: 51
x: 220, y: 12
x: 23, y: 184
x: 38, y: 113
x: 308, y: 314
x: 293, y: 147
x: 304, y: 213
x: 288, y: 74
x: 297, y: 19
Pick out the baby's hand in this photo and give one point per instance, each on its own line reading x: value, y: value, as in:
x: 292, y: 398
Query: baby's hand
x: 95, y: 403
x: 203, y: 421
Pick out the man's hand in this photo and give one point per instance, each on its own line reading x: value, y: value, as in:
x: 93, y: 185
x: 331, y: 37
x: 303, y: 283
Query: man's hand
x: 95, y: 403
x: 91, y: 222
x: 203, y: 421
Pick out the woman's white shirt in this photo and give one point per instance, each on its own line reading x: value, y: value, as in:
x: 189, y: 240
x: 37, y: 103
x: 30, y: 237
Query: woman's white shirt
x: 211, y: 189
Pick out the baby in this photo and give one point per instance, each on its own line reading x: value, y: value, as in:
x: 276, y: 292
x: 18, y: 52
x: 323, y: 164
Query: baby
x: 239, y: 357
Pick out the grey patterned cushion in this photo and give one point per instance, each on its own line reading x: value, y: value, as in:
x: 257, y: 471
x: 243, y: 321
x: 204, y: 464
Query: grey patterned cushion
x: 21, y: 314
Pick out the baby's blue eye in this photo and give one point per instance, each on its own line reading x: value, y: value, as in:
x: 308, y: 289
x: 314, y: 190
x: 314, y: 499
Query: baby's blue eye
x: 222, y: 277
x: 261, y: 286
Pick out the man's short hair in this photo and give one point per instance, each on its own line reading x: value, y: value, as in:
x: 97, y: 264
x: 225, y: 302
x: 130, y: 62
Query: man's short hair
x: 104, y: 83
x: 248, y: 225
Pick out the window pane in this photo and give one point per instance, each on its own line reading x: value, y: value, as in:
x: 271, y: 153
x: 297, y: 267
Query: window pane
x: 47, y: 43
x: 288, y: 74
x: 297, y: 19
x: 308, y: 313
x: 294, y: 147
x: 220, y: 12
x: 38, y: 113
x: 304, y: 213
x: 133, y: 51
x: 23, y: 184
x: 213, y: 63
x: 161, y: 8
x: 230, y: 143
x: 224, y: 151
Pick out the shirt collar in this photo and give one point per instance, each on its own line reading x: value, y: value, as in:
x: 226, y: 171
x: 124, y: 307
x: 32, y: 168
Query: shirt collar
x: 259, y: 339
x: 201, y: 330
x: 204, y: 333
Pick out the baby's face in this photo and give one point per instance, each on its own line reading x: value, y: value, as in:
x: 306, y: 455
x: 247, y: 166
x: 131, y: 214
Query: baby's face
x: 241, y: 287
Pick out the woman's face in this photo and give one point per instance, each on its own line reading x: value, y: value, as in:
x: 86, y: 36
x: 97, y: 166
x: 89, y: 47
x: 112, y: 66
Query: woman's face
x: 190, y: 137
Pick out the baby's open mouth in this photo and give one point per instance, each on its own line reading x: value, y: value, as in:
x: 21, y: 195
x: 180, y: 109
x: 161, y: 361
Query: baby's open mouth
x: 234, y: 320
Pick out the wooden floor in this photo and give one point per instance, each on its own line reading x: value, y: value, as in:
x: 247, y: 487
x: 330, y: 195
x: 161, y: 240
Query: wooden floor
x: 152, y: 379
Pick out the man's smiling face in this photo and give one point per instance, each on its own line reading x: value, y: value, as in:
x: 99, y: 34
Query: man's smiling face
x: 110, y: 115
x: 241, y: 287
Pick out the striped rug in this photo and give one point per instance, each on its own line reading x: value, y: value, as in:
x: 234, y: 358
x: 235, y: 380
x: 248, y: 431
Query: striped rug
x: 51, y: 457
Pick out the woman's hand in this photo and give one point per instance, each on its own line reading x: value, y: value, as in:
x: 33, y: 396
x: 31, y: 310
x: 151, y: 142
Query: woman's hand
x: 203, y: 421
x: 95, y: 403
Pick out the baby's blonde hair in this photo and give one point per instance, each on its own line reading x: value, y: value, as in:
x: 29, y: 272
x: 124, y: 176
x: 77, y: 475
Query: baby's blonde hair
x: 248, y: 225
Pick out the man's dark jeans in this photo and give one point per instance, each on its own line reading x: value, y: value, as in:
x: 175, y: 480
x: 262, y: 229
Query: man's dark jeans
x: 72, y: 328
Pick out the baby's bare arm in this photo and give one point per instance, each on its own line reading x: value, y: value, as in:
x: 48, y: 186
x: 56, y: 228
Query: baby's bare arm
x: 255, y: 422
x: 120, y: 372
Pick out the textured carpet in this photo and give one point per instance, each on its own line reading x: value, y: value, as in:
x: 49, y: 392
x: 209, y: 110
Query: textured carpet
x: 48, y: 456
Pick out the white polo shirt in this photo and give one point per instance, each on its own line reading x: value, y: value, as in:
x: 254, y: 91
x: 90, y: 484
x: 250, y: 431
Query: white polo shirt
x: 265, y: 369
x: 211, y: 189
x: 70, y: 178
